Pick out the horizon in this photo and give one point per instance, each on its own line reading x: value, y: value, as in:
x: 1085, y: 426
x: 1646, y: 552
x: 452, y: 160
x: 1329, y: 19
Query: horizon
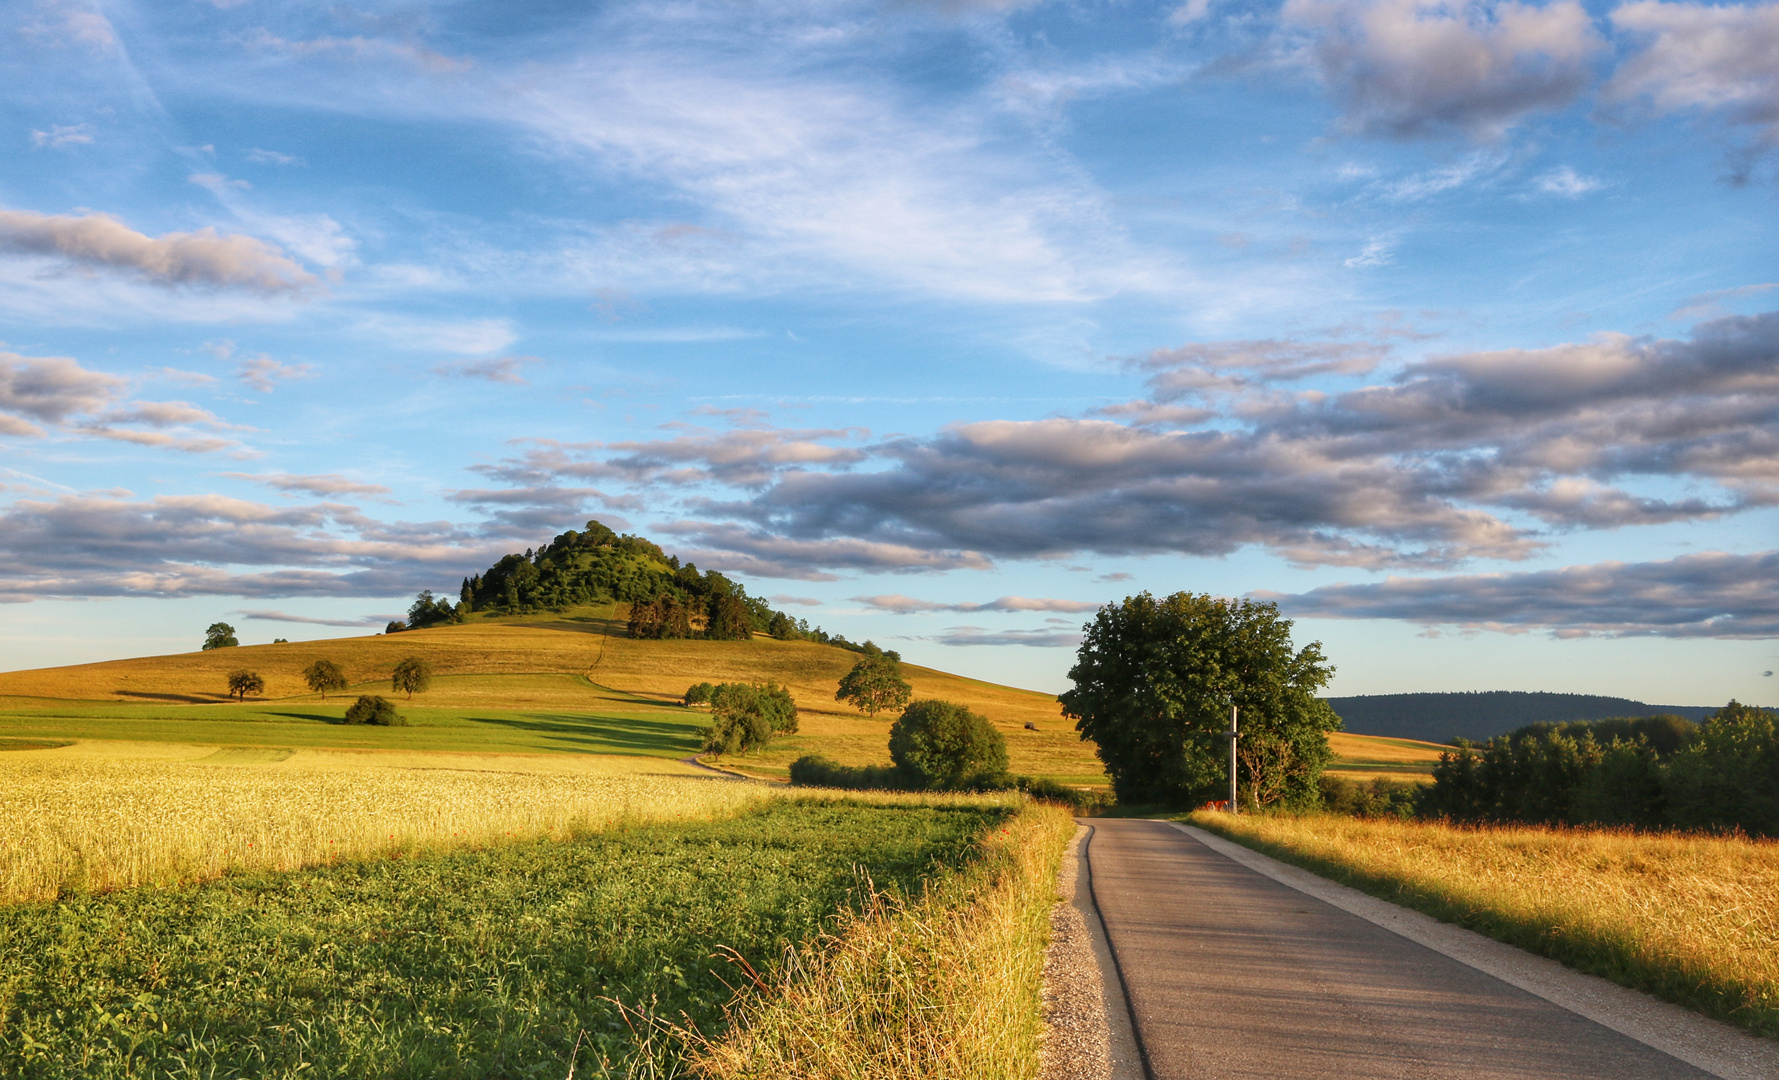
x: 942, y: 325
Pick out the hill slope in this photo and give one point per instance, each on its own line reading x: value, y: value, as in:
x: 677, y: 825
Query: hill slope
x: 1478, y: 716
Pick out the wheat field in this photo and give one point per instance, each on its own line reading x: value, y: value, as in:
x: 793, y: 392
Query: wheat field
x: 1694, y: 919
x: 100, y: 816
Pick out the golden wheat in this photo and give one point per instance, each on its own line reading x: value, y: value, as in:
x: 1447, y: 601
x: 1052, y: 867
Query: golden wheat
x: 904, y: 992
x: 102, y: 817
x: 1693, y: 918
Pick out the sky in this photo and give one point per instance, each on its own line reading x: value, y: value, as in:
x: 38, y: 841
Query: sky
x: 1451, y: 328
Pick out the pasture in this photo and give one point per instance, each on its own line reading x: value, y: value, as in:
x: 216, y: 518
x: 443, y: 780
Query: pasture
x: 1688, y: 918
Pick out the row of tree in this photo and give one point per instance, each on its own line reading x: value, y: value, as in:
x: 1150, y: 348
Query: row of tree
x: 411, y: 675
x: 1648, y: 772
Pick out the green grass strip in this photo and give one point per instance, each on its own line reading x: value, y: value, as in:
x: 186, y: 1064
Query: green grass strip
x: 489, y: 963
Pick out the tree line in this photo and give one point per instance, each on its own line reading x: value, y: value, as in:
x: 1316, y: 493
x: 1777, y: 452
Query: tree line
x: 1647, y: 772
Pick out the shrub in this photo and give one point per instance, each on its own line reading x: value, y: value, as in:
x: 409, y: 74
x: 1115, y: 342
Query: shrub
x: 745, y: 717
x: 939, y: 744
x: 1377, y: 797
x: 813, y: 770
x: 374, y: 709
x: 699, y: 693
x: 1078, y: 799
x: 413, y: 675
x: 242, y: 683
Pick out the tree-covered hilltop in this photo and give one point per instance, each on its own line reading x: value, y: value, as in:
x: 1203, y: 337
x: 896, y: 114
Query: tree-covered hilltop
x: 667, y: 598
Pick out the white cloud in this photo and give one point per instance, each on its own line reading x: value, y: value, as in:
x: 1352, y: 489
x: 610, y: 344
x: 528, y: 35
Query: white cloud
x: 204, y: 257
x: 1377, y: 251
x: 908, y: 605
x: 1567, y: 183
x: 1708, y: 57
x: 1413, y: 68
x: 264, y: 373
x: 59, y: 136
x: 272, y: 157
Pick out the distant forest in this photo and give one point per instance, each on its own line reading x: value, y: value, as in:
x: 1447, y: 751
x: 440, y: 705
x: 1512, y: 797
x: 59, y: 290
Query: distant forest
x: 1481, y: 715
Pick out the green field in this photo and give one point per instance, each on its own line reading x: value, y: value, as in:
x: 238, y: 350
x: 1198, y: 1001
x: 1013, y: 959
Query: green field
x: 472, y: 963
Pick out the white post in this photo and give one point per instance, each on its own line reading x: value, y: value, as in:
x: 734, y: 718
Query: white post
x: 1234, y: 807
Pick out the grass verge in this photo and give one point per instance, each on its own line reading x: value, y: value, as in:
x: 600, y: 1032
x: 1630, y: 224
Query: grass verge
x: 946, y: 984
x: 1691, y: 919
x: 471, y: 963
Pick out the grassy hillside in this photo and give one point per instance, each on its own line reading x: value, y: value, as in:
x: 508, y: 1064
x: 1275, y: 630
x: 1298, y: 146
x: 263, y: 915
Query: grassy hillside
x: 513, y: 684
x: 571, y: 682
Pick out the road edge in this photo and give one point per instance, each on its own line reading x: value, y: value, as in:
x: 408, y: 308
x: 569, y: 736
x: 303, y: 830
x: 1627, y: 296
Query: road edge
x: 1129, y: 1060
x: 1709, y: 1045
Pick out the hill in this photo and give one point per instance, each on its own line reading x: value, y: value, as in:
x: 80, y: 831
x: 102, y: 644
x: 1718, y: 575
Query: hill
x: 1440, y: 718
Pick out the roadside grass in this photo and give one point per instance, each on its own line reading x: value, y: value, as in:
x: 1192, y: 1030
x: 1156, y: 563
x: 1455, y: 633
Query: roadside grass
x: 946, y: 984
x: 1692, y: 919
x: 504, y: 961
x: 108, y: 815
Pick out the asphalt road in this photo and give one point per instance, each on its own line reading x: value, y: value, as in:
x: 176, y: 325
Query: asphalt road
x: 1231, y: 975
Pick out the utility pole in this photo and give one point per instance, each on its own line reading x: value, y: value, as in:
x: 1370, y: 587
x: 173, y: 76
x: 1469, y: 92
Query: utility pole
x: 1233, y: 805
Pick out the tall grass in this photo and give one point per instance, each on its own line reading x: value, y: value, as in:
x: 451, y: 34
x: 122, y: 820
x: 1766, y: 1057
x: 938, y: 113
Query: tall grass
x: 94, y: 823
x: 946, y: 985
x: 1692, y: 919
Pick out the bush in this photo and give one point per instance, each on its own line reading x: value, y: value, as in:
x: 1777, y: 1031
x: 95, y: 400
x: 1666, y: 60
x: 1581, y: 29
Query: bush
x: 699, y: 693
x: 374, y: 709
x: 745, y: 717
x: 1077, y: 799
x: 813, y: 770
x: 942, y: 745
x: 1377, y: 797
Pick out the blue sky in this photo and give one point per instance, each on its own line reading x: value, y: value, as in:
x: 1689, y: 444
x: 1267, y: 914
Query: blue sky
x: 1453, y: 328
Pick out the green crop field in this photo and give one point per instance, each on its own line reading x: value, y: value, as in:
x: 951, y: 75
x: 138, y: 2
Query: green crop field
x: 467, y: 963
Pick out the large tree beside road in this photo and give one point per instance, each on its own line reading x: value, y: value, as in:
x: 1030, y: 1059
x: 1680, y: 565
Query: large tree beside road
x: 1154, y: 682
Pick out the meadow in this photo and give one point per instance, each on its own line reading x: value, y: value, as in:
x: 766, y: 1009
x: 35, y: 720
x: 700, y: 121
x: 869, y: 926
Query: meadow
x: 609, y: 954
x: 1688, y: 918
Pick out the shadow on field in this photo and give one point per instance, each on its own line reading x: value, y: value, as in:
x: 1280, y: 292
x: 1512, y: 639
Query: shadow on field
x: 601, y: 734
x: 178, y: 699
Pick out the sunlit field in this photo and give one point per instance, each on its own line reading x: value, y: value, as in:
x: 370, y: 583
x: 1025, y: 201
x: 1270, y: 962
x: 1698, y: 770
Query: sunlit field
x: 1689, y: 918
x: 101, y: 816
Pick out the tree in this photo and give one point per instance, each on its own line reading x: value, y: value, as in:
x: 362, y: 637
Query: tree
x: 412, y: 676
x: 939, y: 744
x: 699, y: 694
x: 242, y: 683
x: 374, y: 709
x: 744, y: 717
x: 1154, y: 682
x: 220, y: 636
x: 427, y: 611
x: 727, y: 619
x: 875, y: 683
x: 395, y: 627
x: 324, y: 675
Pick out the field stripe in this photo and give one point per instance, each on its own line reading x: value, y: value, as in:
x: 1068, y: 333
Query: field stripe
x: 1705, y: 1044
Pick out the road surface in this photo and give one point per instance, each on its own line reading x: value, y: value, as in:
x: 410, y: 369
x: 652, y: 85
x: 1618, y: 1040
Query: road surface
x: 1231, y: 975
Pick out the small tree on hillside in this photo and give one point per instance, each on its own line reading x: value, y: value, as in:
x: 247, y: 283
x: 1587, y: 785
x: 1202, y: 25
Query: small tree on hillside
x: 220, y: 636
x: 242, y: 683
x: 875, y: 683
x: 412, y: 676
x: 939, y: 744
x: 744, y: 717
x: 324, y: 675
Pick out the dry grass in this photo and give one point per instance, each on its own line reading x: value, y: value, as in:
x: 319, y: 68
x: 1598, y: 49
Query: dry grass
x: 102, y: 816
x: 946, y: 986
x: 1689, y: 918
x: 581, y: 661
x: 1362, y: 757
